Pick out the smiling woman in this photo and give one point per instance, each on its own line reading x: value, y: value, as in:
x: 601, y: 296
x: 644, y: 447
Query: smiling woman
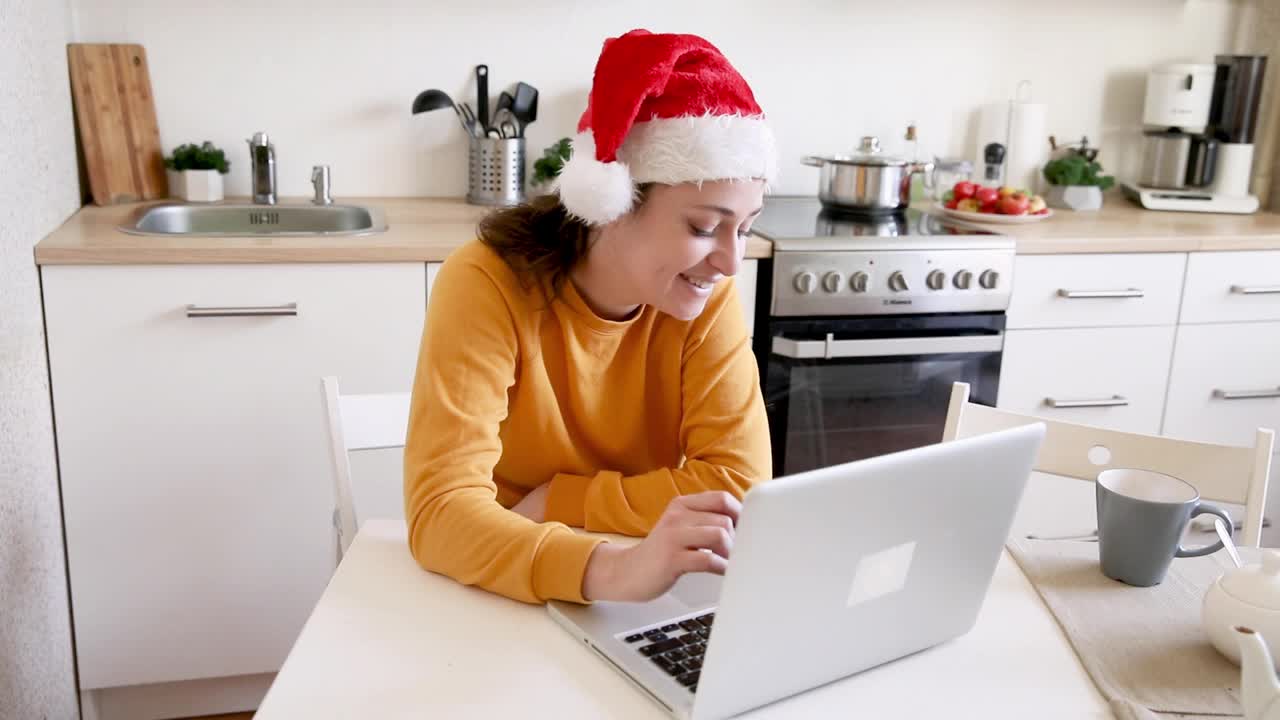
x: 585, y: 362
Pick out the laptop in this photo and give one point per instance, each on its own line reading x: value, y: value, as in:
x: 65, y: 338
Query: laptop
x: 833, y: 571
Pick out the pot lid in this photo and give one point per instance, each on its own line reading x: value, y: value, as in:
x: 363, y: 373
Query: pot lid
x: 1256, y: 584
x: 868, y: 153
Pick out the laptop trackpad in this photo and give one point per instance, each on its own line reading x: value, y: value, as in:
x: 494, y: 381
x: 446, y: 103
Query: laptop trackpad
x: 697, y: 590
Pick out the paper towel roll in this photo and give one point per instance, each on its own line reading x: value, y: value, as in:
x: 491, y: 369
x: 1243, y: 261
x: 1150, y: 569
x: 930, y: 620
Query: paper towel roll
x: 1020, y: 127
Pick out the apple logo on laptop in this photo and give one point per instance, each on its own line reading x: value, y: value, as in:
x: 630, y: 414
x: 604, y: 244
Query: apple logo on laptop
x: 881, y: 573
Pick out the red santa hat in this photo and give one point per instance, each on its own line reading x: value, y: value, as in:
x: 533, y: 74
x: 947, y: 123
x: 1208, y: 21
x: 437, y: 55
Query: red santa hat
x: 666, y: 109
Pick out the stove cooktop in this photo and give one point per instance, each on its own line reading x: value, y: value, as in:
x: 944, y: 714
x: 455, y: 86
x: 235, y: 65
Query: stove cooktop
x: 787, y: 219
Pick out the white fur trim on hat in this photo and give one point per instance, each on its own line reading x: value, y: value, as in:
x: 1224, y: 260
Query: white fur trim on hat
x: 696, y: 148
x: 596, y: 192
x: 670, y: 151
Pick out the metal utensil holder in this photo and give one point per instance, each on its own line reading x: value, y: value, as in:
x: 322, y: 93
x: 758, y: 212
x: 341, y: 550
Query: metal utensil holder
x: 496, y: 171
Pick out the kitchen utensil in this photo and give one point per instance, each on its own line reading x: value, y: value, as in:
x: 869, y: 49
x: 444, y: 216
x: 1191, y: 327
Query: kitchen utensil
x: 525, y: 105
x: 429, y: 100
x: 504, y: 121
x: 505, y: 102
x: 470, y: 121
x: 482, y: 96
x: 1141, y: 518
x: 867, y: 181
x: 496, y: 171
x: 116, y: 116
x: 1225, y: 536
x: 1247, y: 596
x: 993, y: 164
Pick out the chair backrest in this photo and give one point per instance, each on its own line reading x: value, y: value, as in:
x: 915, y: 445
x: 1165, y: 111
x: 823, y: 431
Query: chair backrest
x: 358, y: 422
x: 1219, y: 472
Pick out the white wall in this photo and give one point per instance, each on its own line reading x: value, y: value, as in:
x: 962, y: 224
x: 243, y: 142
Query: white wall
x: 333, y: 80
x: 38, y: 190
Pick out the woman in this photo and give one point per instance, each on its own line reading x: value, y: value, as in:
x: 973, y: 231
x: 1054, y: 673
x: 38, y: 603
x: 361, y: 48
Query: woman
x: 585, y: 362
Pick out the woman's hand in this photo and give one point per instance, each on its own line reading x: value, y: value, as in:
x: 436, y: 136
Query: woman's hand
x: 694, y: 534
x: 533, y: 505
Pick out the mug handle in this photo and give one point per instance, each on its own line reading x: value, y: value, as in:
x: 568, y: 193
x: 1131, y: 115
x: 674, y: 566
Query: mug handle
x: 1202, y: 509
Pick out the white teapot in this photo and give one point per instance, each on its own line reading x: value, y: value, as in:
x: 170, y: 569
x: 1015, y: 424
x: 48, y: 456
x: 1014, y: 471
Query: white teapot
x: 1259, y: 689
x: 1249, y: 597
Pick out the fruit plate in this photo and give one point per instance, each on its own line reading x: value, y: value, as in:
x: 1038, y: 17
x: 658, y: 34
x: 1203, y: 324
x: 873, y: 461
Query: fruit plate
x: 991, y: 218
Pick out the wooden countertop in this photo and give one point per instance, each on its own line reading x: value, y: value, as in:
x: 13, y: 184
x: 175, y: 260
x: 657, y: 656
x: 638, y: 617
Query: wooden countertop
x: 418, y: 230
x: 428, y: 229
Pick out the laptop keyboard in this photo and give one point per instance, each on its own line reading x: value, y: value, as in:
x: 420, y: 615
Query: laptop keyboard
x: 676, y: 647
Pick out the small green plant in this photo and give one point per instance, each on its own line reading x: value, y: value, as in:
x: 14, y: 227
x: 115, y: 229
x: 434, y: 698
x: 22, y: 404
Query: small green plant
x: 1073, y: 168
x: 552, y: 161
x: 205, y: 156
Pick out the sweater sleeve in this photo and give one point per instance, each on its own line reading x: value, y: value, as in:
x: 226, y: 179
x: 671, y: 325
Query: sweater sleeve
x: 466, y: 365
x: 724, y: 432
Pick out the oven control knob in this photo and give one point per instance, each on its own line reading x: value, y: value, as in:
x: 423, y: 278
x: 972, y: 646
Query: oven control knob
x: 988, y: 279
x: 805, y: 282
x: 898, y: 282
x: 936, y: 280
x: 859, y: 282
x: 832, y: 282
x: 963, y: 279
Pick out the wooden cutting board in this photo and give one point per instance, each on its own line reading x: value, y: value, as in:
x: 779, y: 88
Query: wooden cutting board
x: 116, y: 116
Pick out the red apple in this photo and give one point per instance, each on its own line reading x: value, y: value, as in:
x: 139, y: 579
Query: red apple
x: 964, y: 190
x: 1015, y: 204
x: 987, y: 195
x: 952, y: 203
x: 988, y: 207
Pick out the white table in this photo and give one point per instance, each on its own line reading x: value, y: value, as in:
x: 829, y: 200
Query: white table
x: 389, y: 640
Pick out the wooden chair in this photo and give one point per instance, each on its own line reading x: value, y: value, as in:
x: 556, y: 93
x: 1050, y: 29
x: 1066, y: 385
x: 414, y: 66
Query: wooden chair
x: 1219, y: 472
x: 358, y: 423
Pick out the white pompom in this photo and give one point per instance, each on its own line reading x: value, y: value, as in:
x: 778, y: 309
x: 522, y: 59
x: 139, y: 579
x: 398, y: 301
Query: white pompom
x: 596, y: 192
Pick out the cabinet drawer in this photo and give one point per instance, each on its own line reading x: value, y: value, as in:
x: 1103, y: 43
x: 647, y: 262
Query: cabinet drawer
x: 196, y: 481
x: 1232, y: 287
x: 1096, y: 290
x: 1225, y: 382
x: 1109, y: 377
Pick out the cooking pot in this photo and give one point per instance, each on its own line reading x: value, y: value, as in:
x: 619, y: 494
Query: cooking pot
x: 867, y: 181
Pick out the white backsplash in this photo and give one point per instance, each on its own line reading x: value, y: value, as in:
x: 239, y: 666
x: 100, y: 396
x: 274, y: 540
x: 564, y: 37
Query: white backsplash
x: 333, y: 81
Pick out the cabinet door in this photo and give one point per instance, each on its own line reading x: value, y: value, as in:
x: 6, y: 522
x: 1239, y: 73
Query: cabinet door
x: 1225, y: 382
x: 745, y: 282
x: 196, y: 480
x: 1232, y: 287
x: 1096, y: 290
x: 1109, y: 377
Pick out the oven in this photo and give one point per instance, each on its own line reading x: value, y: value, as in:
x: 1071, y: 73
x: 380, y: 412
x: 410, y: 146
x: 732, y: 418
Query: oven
x: 862, y: 326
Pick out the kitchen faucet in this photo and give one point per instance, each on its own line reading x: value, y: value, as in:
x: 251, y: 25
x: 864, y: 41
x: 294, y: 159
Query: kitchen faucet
x: 262, y: 165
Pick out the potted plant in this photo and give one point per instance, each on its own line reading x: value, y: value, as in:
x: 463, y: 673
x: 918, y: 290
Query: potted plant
x: 195, y: 172
x: 1075, y: 179
x: 547, y: 168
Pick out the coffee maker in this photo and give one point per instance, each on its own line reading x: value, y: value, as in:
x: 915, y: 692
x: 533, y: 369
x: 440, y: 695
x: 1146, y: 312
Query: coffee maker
x: 1199, y: 123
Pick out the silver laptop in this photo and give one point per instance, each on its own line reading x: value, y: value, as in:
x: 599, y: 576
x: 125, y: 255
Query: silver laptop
x: 833, y: 571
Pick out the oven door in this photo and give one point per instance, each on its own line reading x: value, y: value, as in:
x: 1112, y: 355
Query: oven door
x: 838, y: 390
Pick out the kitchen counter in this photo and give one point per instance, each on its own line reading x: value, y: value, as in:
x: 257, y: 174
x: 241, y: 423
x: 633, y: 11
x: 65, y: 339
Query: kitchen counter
x: 428, y: 229
x: 419, y: 230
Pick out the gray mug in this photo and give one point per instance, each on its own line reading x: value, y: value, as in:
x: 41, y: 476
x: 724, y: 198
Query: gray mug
x: 1141, y: 518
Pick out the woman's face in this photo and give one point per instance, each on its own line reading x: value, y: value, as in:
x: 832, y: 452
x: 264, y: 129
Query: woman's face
x: 682, y: 240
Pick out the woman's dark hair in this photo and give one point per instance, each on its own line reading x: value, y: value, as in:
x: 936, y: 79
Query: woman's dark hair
x: 540, y: 240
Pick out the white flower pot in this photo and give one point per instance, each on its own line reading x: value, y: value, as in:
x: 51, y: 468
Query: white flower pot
x: 1074, y: 197
x: 196, y: 185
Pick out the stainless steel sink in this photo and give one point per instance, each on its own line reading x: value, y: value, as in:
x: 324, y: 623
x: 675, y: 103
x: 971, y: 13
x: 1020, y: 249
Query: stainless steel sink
x: 255, y: 220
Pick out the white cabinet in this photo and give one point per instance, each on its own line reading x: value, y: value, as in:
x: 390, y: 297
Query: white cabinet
x: 1232, y: 287
x: 1225, y: 382
x: 1109, y: 377
x: 1102, y: 290
x: 196, y: 483
x: 745, y: 282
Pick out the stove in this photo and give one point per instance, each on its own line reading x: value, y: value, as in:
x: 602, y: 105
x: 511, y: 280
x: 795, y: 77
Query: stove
x: 901, y: 263
x: 864, y: 322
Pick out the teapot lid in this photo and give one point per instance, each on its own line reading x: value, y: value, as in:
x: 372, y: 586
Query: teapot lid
x: 1256, y: 584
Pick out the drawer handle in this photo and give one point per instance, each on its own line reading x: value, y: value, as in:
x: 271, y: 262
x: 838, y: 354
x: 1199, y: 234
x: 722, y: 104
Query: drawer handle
x: 208, y: 311
x: 1247, y: 394
x: 1113, y: 401
x: 1256, y: 289
x: 1093, y: 294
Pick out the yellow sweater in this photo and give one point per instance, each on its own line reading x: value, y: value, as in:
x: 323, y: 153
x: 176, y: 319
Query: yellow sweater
x: 620, y: 417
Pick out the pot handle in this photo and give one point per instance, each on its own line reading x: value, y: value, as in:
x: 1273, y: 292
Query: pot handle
x: 926, y: 169
x: 813, y: 161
